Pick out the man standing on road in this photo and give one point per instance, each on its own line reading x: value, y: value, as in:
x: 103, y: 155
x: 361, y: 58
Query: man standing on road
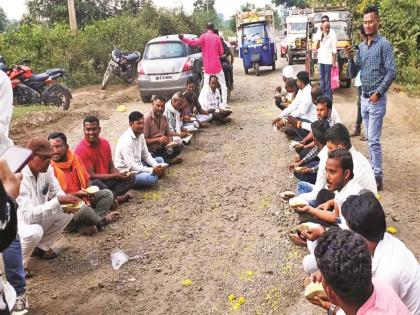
x: 375, y: 61
x: 211, y: 50
x: 327, y: 57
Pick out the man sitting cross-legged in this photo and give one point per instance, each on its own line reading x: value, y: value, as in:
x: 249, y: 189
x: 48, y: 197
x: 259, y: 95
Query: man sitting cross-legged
x: 301, y: 108
x: 95, y: 153
x: 337, y: 137
x: 173, y: 109
x: 345, y: 264
x: 213, y: 104
x: 158, y: 136
x: 41, y: 219
x: 74, y: 179
x: 132, y: 155
x: 192, y: 105
x: 306, y: 168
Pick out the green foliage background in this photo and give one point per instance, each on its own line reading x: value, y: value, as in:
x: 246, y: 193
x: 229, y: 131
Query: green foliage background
x: 85, y: 54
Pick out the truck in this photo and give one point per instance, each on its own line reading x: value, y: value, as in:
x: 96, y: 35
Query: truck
x: 296, y: 25
x: 256, y: 39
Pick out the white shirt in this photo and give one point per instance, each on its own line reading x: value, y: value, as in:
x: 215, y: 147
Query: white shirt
x: 213, y: 101
x: 37, y: 199
x: 6, y: 110
x: 394, y: 264
x: 363, y: 173
x: 358, y: 81
x: 327, y: 47
x: 350, y: 189
x: 173, y: 117
x: 130, y: 153
x: 301, y: 106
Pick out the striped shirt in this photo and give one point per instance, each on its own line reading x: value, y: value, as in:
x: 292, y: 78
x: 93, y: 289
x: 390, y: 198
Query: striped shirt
x: 376, y: 64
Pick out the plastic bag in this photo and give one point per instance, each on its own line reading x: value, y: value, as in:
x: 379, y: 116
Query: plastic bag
x: 335, y: 78
x: 118, y: 258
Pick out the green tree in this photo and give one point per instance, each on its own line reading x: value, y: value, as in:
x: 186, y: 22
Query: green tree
x: 4, y: 22
x: 290, y: 3
x: 247, y: 7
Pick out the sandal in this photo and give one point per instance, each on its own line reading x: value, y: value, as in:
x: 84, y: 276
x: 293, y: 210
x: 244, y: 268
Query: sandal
x: 44, y: 254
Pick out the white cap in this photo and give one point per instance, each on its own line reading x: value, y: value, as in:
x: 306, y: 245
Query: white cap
x: 288, y: 72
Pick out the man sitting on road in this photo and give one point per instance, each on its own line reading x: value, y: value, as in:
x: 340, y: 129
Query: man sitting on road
x: 132, y: 155
x: 301, y: 108
x: 213, y: 104
x: 282, y: 100
x: 158, y: 136
x: 95, y: 153
x: 346, y: 273
x: 306, y: 168
x: 40, y: 216
x: 392, y: 262
x: 172, y: 113
x: 211, y: 50
x: 324, y: 111
x: 192, y: 105
x: 338, y: 137
x: 74, y: 179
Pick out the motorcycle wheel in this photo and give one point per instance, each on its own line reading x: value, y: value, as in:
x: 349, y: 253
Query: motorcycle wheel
x: 107, y: 77
x: 58, y: 95
x: 131, y: 77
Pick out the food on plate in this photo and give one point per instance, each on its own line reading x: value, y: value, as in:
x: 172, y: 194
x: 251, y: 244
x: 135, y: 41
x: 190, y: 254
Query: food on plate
x: 315, y: 289
x: 298, y: 202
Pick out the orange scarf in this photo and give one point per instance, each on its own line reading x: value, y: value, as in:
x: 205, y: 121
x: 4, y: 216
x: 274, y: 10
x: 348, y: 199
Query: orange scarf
x: 72, y: 161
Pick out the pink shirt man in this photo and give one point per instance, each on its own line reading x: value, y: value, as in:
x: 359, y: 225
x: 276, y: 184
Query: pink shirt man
x: 211, y: 50
x: 383, y: 301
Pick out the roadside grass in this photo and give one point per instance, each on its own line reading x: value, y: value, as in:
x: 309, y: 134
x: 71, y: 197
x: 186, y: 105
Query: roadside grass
x: 22, y: 111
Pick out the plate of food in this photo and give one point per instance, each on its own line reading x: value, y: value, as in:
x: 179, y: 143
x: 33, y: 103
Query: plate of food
x: 73, y: 207
x: 129, y: 173
x: 165, y: 165
x: 315, y: 289
x: 297, y: 202
x: 92, y: 190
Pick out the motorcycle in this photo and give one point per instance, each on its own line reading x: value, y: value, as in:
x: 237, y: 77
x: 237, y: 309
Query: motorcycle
x: 30, y: 88
x: 122, y: 65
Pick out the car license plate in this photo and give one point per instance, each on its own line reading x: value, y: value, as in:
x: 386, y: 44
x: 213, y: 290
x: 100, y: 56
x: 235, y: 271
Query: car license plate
x: 163, y: 77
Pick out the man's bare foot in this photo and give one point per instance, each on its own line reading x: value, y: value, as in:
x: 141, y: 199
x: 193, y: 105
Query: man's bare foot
x: 124, y: 198
x: 112, y: 216
x: 177, y: 160
x: 88, y: 230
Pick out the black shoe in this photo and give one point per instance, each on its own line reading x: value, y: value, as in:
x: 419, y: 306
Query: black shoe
x: 379, y: 183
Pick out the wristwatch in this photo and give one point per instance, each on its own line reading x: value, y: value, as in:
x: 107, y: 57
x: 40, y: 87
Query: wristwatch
x: 331, y: 310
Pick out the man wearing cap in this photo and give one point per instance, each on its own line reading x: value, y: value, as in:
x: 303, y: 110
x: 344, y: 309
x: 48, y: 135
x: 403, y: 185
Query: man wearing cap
x: 40, y: 216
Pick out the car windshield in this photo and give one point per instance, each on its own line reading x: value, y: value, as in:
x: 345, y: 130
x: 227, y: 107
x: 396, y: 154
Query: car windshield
x: 339, y: 27
x: 164, y: 50
x: 253, y: 34
x: 297, y: 27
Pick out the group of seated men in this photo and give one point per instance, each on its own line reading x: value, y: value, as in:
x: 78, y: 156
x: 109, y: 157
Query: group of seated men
x: 363, y: 269
x: 79, y: 190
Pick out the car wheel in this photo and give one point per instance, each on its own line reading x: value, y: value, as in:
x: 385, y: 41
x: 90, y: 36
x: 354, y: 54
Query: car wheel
x: 290, y: 57
x: 257, y: 68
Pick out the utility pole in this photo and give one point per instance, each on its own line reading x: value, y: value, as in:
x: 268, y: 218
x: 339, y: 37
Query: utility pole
x: 72, y: 15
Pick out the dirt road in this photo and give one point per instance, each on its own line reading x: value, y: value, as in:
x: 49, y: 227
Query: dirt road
x: 216, y: 219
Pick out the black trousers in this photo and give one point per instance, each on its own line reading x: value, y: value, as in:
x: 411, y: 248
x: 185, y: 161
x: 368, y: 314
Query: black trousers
x: 323, y: 196
x: 118, y: 187
x: 359, y: 118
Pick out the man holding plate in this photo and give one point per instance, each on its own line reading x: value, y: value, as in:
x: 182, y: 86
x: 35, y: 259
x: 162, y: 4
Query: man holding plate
x: 133, y: 156
x: 74, y: 179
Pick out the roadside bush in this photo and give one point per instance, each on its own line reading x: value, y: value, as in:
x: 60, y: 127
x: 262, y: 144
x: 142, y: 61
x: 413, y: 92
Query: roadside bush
x: 85, y: 54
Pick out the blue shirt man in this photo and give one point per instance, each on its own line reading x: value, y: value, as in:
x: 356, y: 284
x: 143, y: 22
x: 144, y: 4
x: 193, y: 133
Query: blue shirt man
x: 375, y: 61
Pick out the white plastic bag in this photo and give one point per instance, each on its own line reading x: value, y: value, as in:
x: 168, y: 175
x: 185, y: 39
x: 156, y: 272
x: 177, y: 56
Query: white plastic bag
x: 118, y: 258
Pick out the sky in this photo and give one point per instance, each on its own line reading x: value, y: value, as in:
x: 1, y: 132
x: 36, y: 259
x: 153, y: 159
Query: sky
x: 16, y: 8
